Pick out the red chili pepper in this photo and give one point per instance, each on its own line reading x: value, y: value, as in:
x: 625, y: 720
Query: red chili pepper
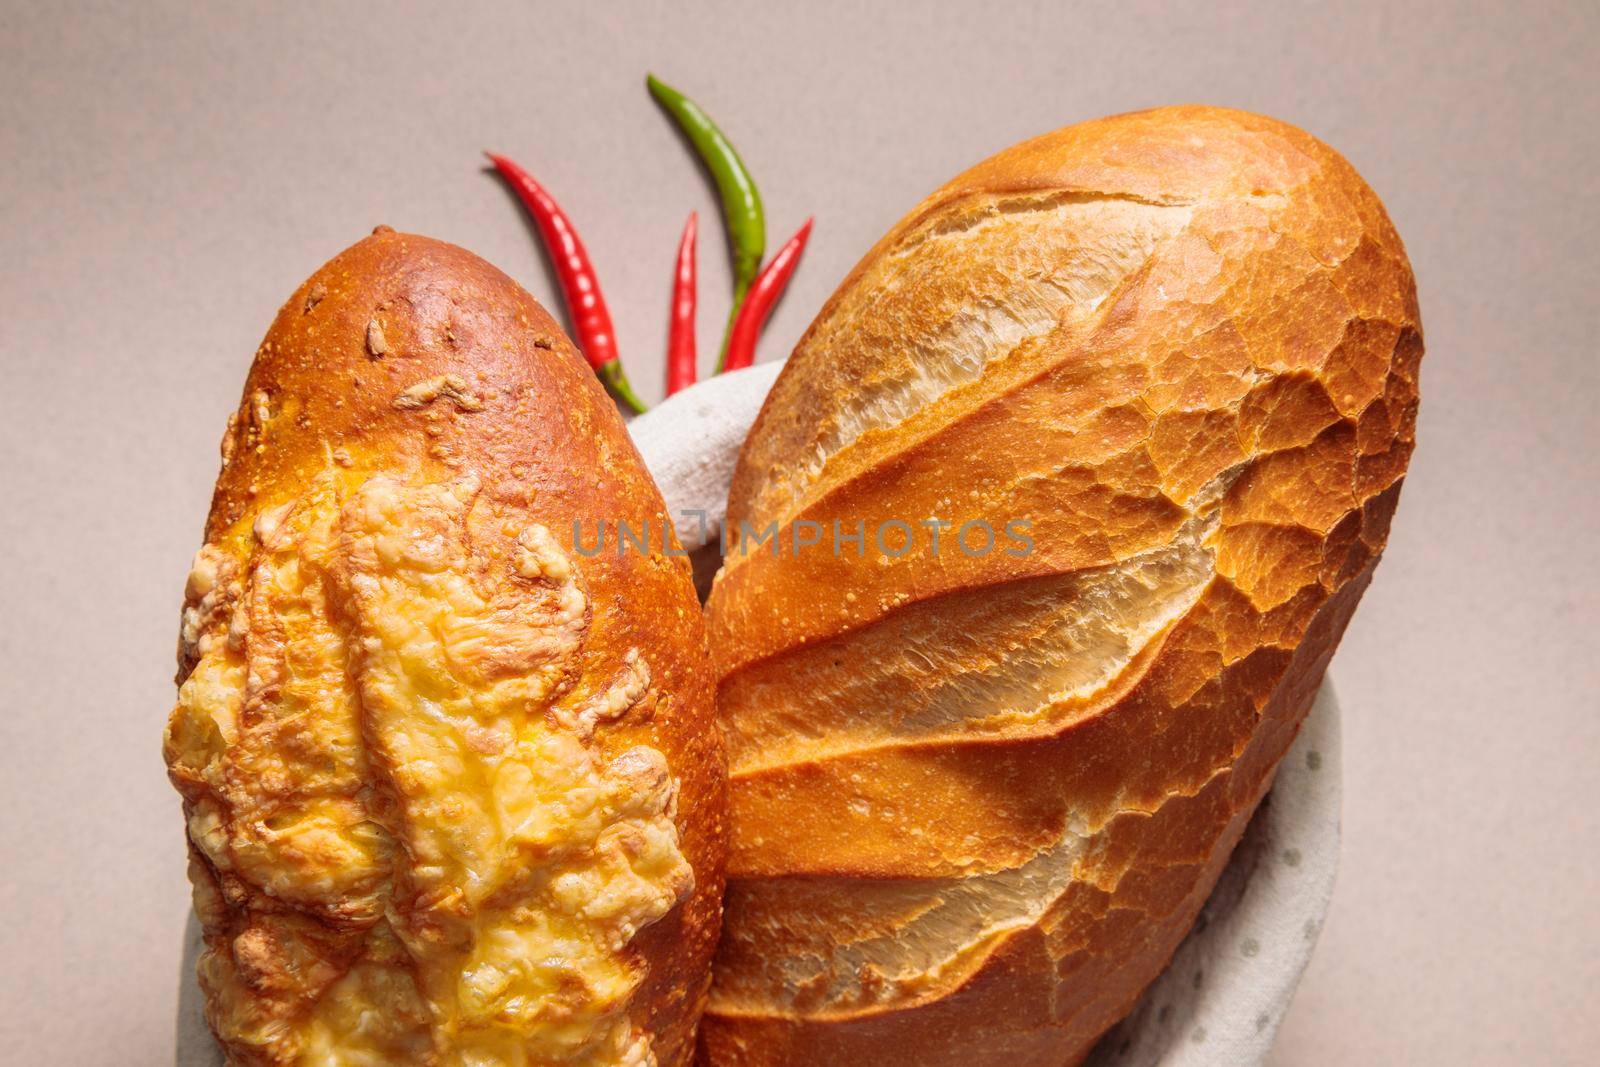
x: 591, y: 319
x: 763, y: 294
x: 680, y: 334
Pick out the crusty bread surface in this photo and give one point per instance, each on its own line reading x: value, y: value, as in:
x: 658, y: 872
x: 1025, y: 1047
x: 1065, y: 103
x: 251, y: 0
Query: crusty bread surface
x: 453, y: 788
x: 1168, y: 360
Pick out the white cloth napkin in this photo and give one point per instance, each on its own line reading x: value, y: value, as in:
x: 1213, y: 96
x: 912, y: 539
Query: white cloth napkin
x: 691, y: 441
x: 1220, y: 1002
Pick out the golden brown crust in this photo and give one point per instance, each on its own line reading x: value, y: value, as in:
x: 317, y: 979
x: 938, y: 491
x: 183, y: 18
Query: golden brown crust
x: 977, y: 800
x: 420, y: 733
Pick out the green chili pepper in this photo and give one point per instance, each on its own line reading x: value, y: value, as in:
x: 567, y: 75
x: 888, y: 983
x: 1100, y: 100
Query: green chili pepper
x: 741, y: 203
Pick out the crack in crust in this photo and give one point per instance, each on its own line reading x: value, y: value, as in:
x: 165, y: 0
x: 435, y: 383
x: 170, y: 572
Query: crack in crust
x: 1056, y: 278
x: 451, y: 387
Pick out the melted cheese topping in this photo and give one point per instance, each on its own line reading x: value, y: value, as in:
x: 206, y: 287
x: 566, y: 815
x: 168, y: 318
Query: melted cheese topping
x: 408, y: 847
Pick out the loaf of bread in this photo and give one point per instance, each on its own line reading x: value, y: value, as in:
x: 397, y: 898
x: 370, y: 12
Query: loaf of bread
x: 453, y: 789
x: 1151, y: 383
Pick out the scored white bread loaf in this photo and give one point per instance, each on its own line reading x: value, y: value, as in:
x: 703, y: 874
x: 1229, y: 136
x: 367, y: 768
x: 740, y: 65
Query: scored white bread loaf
x: 977, y: 799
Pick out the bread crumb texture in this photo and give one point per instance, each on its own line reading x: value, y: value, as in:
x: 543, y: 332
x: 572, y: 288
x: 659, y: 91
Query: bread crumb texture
x: 978, y: 801
x: 406, y: 846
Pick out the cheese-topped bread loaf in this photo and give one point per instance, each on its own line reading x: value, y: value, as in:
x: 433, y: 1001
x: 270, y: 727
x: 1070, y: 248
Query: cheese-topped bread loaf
x: 453, y: 788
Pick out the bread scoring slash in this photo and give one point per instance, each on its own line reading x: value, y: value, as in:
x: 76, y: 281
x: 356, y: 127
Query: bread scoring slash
x: 454, y: 795
x: 977, y: 799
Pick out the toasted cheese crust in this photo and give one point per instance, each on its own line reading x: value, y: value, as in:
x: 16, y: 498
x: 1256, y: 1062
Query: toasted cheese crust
x: 979, y: 796
x: 444, y: 784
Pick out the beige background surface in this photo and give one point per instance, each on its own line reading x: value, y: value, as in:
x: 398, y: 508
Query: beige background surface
x: 168, y: 176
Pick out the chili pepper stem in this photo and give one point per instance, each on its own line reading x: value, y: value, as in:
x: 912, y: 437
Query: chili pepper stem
x: 611, y: 374
x: 740, y: 289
